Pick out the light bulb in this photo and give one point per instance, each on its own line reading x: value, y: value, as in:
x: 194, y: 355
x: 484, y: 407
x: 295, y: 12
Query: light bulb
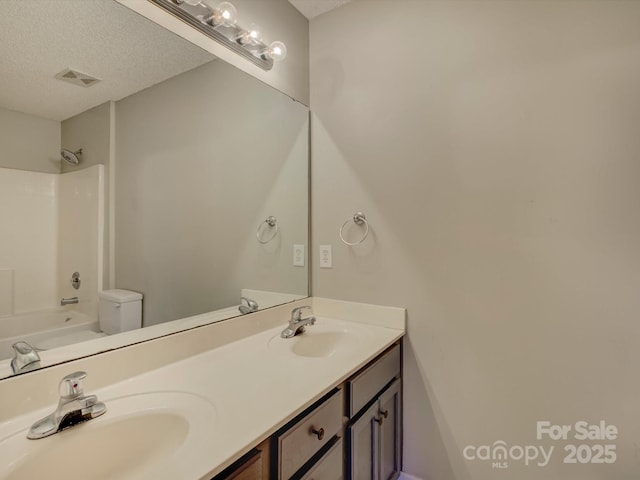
x: 277, y: 51
x: 222, y: 14
x: 254, y: 33
x: 249, y: 37
x: 228, y: 13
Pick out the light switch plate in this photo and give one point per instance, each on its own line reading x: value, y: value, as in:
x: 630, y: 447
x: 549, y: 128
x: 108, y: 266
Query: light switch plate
x: 325, y: 256
x: 298, y: 255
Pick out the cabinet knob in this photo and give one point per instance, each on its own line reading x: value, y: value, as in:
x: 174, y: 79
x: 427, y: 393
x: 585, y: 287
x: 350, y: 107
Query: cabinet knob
x: 318, y: 432
x: 379, y: 420
x: 384, y: 413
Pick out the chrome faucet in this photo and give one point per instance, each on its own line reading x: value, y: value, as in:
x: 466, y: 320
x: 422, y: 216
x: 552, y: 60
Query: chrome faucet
x: 73, y: 408
x: 251, y: 305
x: 68, y: 301
x: 297, y: 323
x: 25, y: 358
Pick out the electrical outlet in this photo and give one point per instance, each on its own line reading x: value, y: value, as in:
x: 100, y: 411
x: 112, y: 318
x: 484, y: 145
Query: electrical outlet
x: 298, y: 255
x: 325, y: 256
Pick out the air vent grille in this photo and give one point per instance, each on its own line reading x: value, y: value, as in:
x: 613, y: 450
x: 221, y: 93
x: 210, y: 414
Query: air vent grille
x: 77, y: 78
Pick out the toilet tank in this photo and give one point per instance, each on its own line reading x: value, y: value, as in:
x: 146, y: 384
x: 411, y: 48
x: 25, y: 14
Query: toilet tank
x: 120, y: 311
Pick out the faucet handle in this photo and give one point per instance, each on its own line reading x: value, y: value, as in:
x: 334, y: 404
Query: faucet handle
x: 71, y: 385
x: 296, y: 313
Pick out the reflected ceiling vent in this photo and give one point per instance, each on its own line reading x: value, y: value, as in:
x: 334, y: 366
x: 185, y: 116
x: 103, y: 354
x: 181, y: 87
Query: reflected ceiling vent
x: 77, y: 78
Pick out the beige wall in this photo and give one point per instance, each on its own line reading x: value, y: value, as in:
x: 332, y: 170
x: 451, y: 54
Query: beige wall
x: 29, y: 142
x: 201, y: 160
x: 89, y: 130
x: 494, y: 148
x: 279, y: 21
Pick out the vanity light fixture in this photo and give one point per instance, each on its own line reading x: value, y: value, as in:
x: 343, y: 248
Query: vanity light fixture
x: 252, y: 34
x: 218, y: 20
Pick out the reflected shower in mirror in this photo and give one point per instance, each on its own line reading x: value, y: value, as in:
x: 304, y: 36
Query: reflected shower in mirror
x: 181, y: 158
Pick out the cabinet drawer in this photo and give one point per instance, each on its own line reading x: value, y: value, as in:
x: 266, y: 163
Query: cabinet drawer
x: 298, y: 444
x: 329, y: 467
x: 366, y: 385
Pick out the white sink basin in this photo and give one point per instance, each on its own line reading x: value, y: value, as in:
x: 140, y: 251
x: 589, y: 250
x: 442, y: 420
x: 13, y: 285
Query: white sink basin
x: 151, y: 435
x: 321, y: 340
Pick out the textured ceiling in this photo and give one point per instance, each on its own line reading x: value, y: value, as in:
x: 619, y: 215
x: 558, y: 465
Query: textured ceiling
x: 313, y: 8
x: 40, y: 38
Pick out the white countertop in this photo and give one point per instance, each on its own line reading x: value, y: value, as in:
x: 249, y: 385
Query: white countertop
x: 254, y: 384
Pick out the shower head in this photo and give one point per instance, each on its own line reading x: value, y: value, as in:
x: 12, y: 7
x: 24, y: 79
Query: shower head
x: 72, y: 158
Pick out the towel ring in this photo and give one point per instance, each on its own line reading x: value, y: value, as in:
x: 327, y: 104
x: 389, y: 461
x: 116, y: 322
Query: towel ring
x: 358, y: 219
x: 271, y: 222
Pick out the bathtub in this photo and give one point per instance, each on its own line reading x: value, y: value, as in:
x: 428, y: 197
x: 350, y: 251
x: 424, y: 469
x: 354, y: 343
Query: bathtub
x: 39, y: 328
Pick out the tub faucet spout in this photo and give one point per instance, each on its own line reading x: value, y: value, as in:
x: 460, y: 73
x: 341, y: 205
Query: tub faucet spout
x: 68, y: 301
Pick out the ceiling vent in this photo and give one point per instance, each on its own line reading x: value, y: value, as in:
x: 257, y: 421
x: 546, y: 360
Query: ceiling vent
x: 77, y: 78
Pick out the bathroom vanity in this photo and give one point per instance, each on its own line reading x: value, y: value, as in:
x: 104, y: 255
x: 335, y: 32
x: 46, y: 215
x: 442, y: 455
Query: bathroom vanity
x: 323, y: 404
x: 353, y: 432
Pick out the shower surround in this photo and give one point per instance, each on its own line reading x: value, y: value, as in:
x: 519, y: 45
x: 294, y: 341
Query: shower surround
x: 52, y: 226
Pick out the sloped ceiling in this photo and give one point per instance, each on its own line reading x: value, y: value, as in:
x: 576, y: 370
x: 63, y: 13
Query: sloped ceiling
x: 40, y: 38
x: 313, y: 8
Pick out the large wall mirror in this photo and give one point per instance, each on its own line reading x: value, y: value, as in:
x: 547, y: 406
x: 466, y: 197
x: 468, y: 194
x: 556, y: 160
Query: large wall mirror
x: 147, y: 166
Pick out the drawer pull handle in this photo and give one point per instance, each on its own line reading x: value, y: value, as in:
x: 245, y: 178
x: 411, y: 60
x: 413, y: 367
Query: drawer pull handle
x: 319, y: 432
x: 384, y: 413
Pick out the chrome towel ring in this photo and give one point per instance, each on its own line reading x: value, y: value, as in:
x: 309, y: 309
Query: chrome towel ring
x: 271, y: 222
x: 359, y: 219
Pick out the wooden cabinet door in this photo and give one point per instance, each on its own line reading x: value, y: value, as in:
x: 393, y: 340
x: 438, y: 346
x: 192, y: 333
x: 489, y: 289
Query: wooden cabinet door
x: 362, y: 438
x: 389, y: 422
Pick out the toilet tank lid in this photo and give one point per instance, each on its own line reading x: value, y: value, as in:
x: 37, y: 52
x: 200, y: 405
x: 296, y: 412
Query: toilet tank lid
x: 120, y: 296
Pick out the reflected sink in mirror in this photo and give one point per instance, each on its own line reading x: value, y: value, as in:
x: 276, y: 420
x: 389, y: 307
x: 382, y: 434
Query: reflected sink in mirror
x: 140, y: 436
x: 321, y: 340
